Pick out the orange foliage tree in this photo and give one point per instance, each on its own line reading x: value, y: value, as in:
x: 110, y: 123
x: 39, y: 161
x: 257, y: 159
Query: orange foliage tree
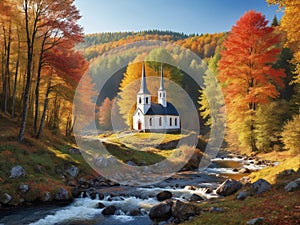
x: 248, y: 78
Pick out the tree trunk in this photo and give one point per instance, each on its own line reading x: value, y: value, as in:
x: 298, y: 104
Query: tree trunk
x: 30, y: 47
x: 15, y: 82
x: 39, y: 133
x: 37, y: 88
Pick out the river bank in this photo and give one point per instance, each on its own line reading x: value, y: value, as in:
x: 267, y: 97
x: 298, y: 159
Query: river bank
x: 134, y: 203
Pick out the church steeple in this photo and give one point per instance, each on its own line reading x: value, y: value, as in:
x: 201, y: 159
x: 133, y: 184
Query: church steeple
x: 143, y: 96
x: 162, y: 94
x: 143, y: 88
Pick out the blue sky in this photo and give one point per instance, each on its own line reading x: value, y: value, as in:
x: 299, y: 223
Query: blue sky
x: 188, y: 16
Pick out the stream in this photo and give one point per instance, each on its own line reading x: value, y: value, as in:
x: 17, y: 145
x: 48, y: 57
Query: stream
x: 132, y: 199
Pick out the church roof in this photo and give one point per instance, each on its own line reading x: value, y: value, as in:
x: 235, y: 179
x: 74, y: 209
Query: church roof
x: 158, y: 109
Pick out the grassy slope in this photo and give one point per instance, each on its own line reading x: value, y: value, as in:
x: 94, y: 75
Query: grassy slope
x: 46, y: 160
x: 41, y: 160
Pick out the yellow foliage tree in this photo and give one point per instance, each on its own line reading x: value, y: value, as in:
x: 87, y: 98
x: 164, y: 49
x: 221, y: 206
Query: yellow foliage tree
x: 291, y: 24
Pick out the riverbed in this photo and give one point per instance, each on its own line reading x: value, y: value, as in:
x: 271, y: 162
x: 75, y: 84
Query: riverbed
x: 132, y: 199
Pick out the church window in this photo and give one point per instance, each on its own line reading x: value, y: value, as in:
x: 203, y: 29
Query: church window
x: 147, y: 100
x: 160, y: 95
x: 175, y: 121
x: 140, y: 100
x: 164, y: 95
x: 150, y: 122
x: 170, y: 122
x: 159, y: 121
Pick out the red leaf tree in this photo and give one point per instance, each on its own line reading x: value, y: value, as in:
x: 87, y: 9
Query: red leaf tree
x: 248, y: 78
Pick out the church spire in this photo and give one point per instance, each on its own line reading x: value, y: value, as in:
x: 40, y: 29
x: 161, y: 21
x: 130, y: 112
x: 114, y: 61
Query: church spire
x: 143, y: 88
x: 162, y: 94
x: 162, y: 83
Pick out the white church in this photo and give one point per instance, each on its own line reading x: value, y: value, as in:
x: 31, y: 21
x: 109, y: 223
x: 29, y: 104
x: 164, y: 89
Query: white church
x: 155, y: 117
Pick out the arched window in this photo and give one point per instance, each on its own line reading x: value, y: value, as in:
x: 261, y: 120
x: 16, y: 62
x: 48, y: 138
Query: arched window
x: 160, y: 122
x: 150, y: 122
x: 170, y: 122
x: 159, y: 94
x: 140, y: 100
x: 147, y: 100
x: 175, y: 121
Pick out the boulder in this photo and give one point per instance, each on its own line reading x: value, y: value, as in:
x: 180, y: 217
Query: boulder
x: 109, y: 210
x: 100, y: 205
x: 242, y: 195
x: 216, y: 210
x: 182, y: 211
x: 62, y: 194
x: 23, y: 188
x: 293, y: 185
x: 164, y: 195
x: 194, y: 161
x: 260, y: 186
x: 195, y: 198
x: 17, y: 171
x: 229, y: 187
x: 161, y: 212
x: 244, y: 170
x: 135, y: 212
x: 72, y: 171
x: 5, y: 198
x: 256, y: 221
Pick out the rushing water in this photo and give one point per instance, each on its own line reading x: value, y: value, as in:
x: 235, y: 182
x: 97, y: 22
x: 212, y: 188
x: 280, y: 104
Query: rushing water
x: 84, y: 210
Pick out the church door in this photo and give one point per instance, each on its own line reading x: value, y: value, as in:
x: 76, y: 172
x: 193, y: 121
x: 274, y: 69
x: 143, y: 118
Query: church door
x: 139, y: 125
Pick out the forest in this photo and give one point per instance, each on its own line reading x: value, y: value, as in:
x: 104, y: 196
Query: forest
x: 44, y: 53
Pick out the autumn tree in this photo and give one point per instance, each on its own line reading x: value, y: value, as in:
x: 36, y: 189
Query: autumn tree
x: 291, y: 134
x: 246, y: 71
x: 290, y: 23
x: 46, y: 24
x: 104, y: 113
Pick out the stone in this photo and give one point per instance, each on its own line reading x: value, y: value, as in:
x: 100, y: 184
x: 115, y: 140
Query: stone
x: 244, y: 170
x: 194, y: 161
x: 182, y: 211
x: 74, y: 151
x: 47, y: 197
x: 195, y: 198
x: 256, y: 221
x: 17, y: 171
x: 109, y: 210
x: 260, y: 186
x: 293, y: 185
x: 164, y: 195
x: 242, y: 195
x: 62, y: 195
x: 161, y: 212
x: 208, y: 191
x: 216, y: 210
x: 130, y: 163
x: 72, y: 171
x: 100, y: 205
x: 5, y: 198
x: 135, y: 212
x: 23, y: 188
x: 229, y: 187
x: 38, y: 169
